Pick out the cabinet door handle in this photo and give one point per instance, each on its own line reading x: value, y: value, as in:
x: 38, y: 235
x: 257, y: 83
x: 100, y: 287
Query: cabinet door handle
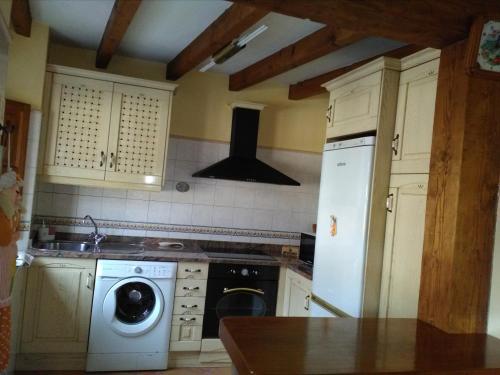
x: 103, y: 159
x: 188, y: 319
x: 306, y: 303
x: 191, y: 288
x: 389, y: 201
x: 90, y: 281
x: 192, y: 271
x: 329, y: 114
x: 112, y: 160
x: 189, y: 306
x: 395, y: 144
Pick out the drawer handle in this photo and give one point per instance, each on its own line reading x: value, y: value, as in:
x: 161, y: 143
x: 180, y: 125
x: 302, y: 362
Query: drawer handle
x: 389, y: 202
x: 191, y: 288
x: 395, y: 144
x: 258, y: 291
x: 103, y: 159
x: 90, y: 281
x: 188, y: 319
x: 189, y: 306
x: 112, y: 160
x: 306, y: 302
x: 190, y: 270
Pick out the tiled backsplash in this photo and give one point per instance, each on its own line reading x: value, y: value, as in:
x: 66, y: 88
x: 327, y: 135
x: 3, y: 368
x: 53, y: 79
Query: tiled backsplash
x: 208, y: 203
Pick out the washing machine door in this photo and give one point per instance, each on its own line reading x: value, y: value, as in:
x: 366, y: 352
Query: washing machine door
x: 133, y: 306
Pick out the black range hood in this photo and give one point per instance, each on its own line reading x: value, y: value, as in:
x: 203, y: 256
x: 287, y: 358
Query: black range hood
x: 242, y: 164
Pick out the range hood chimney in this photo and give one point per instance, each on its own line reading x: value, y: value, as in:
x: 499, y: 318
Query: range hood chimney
x: 242, y: 164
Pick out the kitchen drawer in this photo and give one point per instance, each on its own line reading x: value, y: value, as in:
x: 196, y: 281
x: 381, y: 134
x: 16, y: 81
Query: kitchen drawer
x: 191, y: 288
x: 189, y: 305
x: 187, y: 320
x: 185, y: 346
x: 192, y: 270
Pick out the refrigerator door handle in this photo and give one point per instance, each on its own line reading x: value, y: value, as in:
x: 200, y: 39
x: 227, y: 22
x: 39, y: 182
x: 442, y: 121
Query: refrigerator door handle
x: 388, y: 202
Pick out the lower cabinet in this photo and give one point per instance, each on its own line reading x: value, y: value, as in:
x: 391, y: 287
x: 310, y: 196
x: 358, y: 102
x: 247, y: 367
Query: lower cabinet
x: 57, y: 311
x: 297, y: 294
x: 403, y: 246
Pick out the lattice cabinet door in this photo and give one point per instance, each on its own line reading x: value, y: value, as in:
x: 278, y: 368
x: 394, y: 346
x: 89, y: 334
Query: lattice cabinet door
x: 138, y: 135
x: 78, y: 127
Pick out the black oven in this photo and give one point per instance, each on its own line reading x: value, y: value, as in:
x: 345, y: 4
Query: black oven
x: 238, y: 290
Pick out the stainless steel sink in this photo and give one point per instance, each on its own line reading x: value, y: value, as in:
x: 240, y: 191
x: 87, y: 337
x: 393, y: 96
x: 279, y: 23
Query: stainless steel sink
x: 111, y: 247
x: 66, y: 246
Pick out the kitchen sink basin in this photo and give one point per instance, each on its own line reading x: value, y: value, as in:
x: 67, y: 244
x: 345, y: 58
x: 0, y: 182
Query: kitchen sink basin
x: 111, y: 247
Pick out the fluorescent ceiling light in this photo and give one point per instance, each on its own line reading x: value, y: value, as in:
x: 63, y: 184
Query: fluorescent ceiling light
x: 207, y: 66
x: 247, y: 38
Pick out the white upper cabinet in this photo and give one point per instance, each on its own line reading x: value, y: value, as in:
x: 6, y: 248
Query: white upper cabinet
x: 361, y: 99
x: 105, y: 130
x: 412, y: 141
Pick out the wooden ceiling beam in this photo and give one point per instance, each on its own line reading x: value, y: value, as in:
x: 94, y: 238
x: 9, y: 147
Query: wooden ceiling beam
x: 20, y: 16
x: 229, y: 26
x: 312, y: 86
x: 116, y: 27
x: 423, y: 22
x: 311, y: 47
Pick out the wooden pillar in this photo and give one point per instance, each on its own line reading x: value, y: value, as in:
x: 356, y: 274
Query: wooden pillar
x: 462, y: 198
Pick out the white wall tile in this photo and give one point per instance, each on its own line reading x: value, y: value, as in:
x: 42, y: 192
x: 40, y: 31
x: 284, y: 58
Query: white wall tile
x: 65, y: 205
x: 262, y: 219
x: 172, y: 148
x: 86, y: 190
x: 89, y: 205
x: 65, y: 189
x: 183, y: 197
x: 264, y: 198
x: 44, y: 203
x: 159, y: 212
x: 187, y: 150
x: 113, y: 208
x: 202, y: 215
x: 281, y: 221
x: 45, y: 187
x: 244, y: 197
x: 114, y: 193
x: 184, y: 170
x: 224, y: 195
x: 208, y: 153
x: 223, y: 217
x: 138, y: 194
x: 180, y: 213
x: 204, y: 193
x: 243, y: 218
x: 165, y: 195
x: 136, y: 210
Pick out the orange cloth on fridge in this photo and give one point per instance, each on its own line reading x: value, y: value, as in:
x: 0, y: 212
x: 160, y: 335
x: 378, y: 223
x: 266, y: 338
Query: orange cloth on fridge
x: 4, y: 337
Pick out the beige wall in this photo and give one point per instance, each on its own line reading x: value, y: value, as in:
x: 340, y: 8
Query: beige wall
x: 27, y: 64
x: 201, y: 103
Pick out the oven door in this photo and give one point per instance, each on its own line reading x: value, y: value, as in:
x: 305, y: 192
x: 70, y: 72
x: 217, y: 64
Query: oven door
x: 237, y: 298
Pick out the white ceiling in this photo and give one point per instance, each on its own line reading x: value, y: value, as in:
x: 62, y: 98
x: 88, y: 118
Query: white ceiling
x: 162, y: 28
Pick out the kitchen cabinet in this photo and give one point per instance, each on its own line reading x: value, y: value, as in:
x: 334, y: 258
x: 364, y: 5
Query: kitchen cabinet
x: 361, y: 99
x: 403, y: 247
x: 56, y: 312
x: 105, y: 130
x: 412, y: 140
x: 297, y: 294
x: 189, y: 307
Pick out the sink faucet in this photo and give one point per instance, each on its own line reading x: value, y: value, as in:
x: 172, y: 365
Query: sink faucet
x: 95, y: 235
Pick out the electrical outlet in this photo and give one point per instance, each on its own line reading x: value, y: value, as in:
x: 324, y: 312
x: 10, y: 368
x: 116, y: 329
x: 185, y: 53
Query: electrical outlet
x: 290, y: 251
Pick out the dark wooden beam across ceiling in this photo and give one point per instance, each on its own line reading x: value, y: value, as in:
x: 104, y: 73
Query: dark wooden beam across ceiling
x: 118, y: 22
x: 312, y: 86
x: 311, y: 47
x: 428, y: 23
x: 20, y: 16
x: 230, y: 25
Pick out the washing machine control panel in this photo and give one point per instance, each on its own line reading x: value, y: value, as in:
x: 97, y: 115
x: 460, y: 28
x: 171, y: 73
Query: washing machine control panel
x: 124, y: 268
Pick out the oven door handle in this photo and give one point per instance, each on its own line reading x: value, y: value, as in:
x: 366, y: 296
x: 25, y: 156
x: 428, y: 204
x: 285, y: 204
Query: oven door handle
x: 258, y: 291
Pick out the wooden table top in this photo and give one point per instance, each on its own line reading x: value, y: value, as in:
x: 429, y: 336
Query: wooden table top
x: 271, y: 345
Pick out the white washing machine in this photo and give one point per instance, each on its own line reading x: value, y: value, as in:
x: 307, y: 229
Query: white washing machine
x: 131, y: 315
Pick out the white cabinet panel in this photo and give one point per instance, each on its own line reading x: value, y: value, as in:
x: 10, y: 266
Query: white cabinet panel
x: 403, y: 246
x: 415, y: 119
x: 297, y: 294
x: 57, y: 306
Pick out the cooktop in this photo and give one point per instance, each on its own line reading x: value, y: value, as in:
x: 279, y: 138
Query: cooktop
x: 237, y: 253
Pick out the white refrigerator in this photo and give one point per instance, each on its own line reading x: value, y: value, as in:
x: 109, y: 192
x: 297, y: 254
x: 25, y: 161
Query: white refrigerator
x: 341, y: 233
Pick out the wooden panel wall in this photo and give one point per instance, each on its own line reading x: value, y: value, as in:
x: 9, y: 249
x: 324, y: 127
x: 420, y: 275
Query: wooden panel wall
x: 462, y: 198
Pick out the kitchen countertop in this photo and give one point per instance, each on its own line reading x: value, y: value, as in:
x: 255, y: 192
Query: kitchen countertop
x: 271, y: 345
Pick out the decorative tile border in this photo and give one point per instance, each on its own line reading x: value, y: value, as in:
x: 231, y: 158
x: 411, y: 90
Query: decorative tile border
x: 158, y: 227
